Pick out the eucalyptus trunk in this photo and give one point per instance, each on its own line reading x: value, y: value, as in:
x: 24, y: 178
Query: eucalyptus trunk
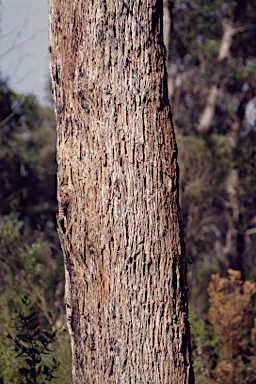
x: 118, y: 218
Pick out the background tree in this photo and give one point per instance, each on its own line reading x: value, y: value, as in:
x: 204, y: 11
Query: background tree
x: 217, y: 163
x: 118, y: 194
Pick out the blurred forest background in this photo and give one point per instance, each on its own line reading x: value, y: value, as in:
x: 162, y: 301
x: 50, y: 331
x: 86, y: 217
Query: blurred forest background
x: 212, y: 89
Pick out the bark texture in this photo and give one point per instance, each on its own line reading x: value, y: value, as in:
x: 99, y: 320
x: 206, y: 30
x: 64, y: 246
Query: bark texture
x: 118, y: 218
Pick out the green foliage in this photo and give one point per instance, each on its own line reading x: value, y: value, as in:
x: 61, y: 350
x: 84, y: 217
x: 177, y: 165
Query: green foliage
x: 31, y: 262
x: 32, y: 344
x: 27, y: 159
x: 35, y: 346
x: 24, y: 271
x: 29, y: 266
x: 9, y: 365
x: 203, y: 347
x: 63, y: 352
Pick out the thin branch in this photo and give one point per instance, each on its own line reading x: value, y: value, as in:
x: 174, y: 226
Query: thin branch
x: 244, y: 28
x: 18, y: 45
x: 3, y: 332
x: 10, y: 116
x: 251, y: 231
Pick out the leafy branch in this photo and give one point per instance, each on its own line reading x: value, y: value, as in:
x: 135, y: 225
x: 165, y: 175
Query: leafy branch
x: 32, y: 344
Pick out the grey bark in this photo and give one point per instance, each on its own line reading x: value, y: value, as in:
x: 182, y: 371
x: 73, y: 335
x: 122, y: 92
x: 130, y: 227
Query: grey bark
x: 118, y: 218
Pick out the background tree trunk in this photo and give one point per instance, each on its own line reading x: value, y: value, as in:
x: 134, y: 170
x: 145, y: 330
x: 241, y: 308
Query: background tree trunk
x: 118, y: 218
x: 218, y: 82
x: 230, y: 29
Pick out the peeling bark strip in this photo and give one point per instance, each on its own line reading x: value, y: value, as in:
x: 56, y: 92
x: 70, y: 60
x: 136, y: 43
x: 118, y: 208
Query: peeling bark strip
x: 118, y: 216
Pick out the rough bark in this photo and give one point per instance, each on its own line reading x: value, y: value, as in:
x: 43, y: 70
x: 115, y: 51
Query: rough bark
x: 118, y: 218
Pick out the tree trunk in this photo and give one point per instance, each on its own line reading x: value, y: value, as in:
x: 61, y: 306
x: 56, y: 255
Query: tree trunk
x: 118, y: 218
